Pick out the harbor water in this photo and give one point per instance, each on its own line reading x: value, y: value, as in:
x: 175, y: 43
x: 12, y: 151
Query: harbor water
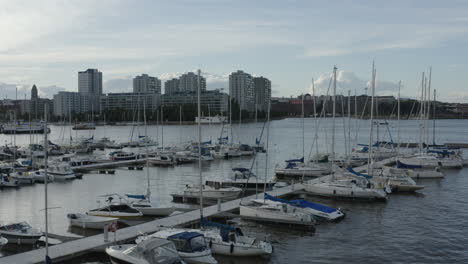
x: 425, y: 227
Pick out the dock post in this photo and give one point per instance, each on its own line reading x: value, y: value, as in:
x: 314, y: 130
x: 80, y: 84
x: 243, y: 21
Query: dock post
x: 219, y: 205
x: 106, y: 233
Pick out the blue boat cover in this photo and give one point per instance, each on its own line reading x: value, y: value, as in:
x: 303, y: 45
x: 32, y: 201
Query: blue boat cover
x: 136, y: 196
x: 359, y: 174
x: 302, y: 204
x: 295, y: 160
x: 241, y: 169
x: 185, y: 235
x: 402, y: 165
x: 257, y: 142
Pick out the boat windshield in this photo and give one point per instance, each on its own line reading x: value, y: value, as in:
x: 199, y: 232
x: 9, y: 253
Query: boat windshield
x: 198, y: 243
x: 162, y: 254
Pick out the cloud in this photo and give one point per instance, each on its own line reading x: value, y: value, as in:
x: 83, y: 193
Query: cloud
x: 347, y: 80
x: 123, y: 85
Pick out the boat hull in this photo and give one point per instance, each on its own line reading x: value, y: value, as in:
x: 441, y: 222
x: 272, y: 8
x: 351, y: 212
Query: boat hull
x: 344, y: 192
x: 239, y: 250
x: 21, y: 239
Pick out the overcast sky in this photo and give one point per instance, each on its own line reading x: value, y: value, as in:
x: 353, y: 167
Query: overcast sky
x: 290, y: 42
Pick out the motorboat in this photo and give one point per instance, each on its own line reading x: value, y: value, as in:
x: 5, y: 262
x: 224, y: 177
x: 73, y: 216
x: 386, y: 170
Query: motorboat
x: 7, y: 181
x: 212, y: 192
x: 24, y: 177
x: 61, y: 171
x: 190, y: 245
x: 161, y: 160
x: 121, y: 155
x: 3, y: 242
x: 20, y: 233
x: 150, y: 251
x: 211, y: 119
x: 118, y: 209
x: 243, y: 178
x: 89, y: 221
x: 319, y: 211
x: 24, y: 128
x: 142, y: 204
x: 230, y: 241
x: 39, y: 176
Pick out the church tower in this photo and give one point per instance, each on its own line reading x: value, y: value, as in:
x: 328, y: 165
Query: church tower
x: 34, y: 93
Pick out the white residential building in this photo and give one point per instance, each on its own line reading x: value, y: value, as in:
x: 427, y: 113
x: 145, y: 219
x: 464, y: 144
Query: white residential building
x: 146, y: 84
x: 66, y: 103
x: 90, y: 83
x: 188, y: 82
x: 241, y: 88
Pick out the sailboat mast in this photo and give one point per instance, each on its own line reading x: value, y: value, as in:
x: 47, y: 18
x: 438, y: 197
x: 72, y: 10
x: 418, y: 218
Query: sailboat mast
x: 46, y: 143
x: 398, y: 114
x: 230, y: 117
x: 303, y: 127
x: 371, y: 134
x: 180, y: 124
x: 428, y: 105
x: 333, y: 121
x: 349, y: 126
x: 162, y: 127
x: 266, y: 148
x: 315, y: 117
x: 148, y: 191
x: 421, y: 115
x: 199, y: 147
x: 434, y: 119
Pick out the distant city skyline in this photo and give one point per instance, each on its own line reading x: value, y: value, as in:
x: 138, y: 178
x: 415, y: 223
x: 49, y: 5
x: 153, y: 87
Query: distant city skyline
x: 289, y: 42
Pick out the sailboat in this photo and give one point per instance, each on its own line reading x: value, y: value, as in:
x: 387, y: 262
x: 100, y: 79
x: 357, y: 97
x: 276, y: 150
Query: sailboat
x: 143, y: 202
x: 344, y: 184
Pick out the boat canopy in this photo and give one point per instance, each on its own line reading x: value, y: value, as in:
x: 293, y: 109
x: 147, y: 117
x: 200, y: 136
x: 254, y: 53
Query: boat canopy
x: 302, y: 204
x: 185, y: 235
x: 241, y: 170
x: 136, y: 196
x: 295, y: 160
x: 402, y: 165
x: 359, y: 174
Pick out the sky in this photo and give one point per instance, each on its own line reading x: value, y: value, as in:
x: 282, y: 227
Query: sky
x: 290, y: 42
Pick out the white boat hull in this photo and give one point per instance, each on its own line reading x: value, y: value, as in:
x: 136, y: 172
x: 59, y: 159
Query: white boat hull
x: 23, y: 239
x: 353, y: 192
x: 256, y: 212
x: 238, y: 250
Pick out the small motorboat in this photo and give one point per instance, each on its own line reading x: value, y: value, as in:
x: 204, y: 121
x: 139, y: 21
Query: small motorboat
x: 39, y: 176
x: 20, y: 233
x: 230, y: 241
x: 7, y: 181
x: 150, y: 251
x: 122, y: 155
x: 190, y: 245
x: 23, y: 178
x: 161, y: 160
x: 89, y: 221
x: 61, y: 171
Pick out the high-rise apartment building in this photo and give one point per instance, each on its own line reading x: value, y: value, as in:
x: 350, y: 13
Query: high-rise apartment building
x: 90, y: 83
x: 171, y: 86
x: 66, y: 103
x: 262, y: 93
x: 146, y: 84
x: 188, y: 82
x: 241, y: 88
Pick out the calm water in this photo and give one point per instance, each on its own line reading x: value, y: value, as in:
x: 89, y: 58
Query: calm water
x: 428, y: 227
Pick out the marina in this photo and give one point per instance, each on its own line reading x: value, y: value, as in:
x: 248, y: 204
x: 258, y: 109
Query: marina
x: 185, y: 219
